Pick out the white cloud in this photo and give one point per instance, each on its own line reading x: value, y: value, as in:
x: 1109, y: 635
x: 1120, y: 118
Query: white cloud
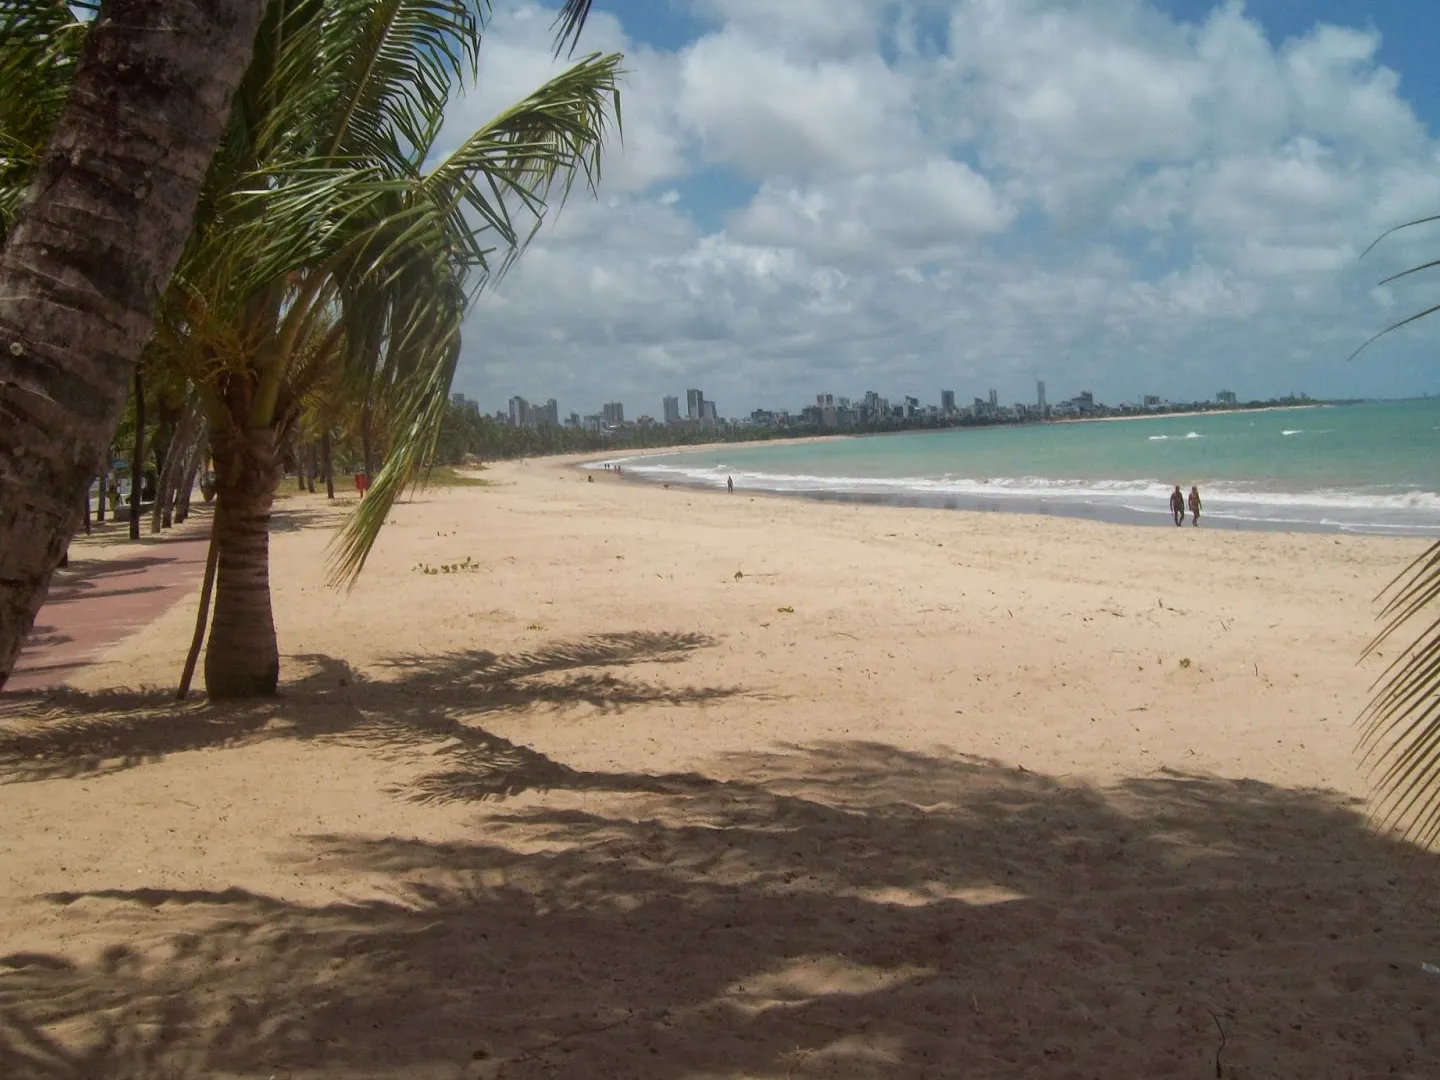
x: 765, y: 110
x: 1084, y: 192
x: 907, y: 213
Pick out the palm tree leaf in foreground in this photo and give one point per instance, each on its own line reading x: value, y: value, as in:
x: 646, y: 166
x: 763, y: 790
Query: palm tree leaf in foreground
x: 525, y: 159
x: 1400, y: 728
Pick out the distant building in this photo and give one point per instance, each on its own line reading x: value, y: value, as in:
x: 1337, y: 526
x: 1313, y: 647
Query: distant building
x: 1040, y: 395
x: 548, y: 415
x: 947, y: 401
x: 672, y: 410
x: 1085, y: 401
x: 994, y: 400
x: 695, y: 404
x: 707, y: 412
x: 613, y: 413
x: 519, y: 412
x: 1225, y: 397
x: 573, y: 421
x: 1151, y: 401
x: 460, y: 401
x: 912, y: 406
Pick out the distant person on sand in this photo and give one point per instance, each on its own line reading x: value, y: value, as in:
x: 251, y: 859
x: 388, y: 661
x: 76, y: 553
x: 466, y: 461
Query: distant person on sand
x: 362, y: 483
x: 1177, y: 506
x: 730, y: 484
x: 1194, y: 505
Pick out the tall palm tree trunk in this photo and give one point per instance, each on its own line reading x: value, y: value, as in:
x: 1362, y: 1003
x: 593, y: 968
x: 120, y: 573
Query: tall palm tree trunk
x: 95, y: 241
x: 187, y: 485
x: 137, y: 459
x: 242, y: 659
x: 327, y: 463
x: 104, y: 490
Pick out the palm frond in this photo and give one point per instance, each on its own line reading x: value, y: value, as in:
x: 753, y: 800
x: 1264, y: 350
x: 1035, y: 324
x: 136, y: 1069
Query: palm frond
x: 569, y: 23
x: 428, y: 337
x: 1400, y: 727
x: 1393, y: 277
x: 40, y: 44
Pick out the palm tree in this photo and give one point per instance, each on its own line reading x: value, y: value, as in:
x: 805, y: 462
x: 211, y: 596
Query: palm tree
x: 1400, y: 728
x: 103, y: 150
x: 335, y: 246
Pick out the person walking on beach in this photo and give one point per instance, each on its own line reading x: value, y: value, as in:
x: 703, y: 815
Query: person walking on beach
x: 730, y: 484
x: 1194, y: 505
x: 1177, y: 506
x: 362, y: 483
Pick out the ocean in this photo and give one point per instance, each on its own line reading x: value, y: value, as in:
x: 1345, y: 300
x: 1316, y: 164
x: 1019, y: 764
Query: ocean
x: 1371, y: 468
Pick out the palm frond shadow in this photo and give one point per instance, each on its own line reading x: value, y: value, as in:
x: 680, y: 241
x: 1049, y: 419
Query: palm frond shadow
x: 848, y: 910
x: 431, y: 705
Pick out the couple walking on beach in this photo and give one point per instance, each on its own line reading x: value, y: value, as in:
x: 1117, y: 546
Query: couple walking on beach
x: 1177, y: 506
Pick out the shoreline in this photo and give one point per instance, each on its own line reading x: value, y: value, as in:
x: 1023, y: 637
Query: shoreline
x: 1038, y: 507
x: 1242, y: 505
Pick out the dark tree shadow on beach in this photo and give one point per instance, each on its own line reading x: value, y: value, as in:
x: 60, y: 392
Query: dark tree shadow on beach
x: 435, y: 704
x: 847, y: 910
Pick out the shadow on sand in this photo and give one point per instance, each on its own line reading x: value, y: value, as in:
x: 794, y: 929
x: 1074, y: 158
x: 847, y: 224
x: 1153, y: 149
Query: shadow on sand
x: 841, y: 910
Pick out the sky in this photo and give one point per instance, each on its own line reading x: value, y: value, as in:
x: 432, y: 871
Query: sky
x: 1130, y: 197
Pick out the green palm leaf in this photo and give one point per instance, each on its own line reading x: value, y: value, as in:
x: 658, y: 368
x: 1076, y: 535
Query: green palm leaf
x: 1400, y: 728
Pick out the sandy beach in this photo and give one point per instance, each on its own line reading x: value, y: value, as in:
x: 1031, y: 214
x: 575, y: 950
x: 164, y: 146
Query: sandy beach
x: 687, y: 785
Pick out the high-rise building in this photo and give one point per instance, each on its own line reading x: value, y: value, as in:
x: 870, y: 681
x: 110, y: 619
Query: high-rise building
x: 672, y: 410
x: 1040, y: 395
x: 994, y: 400
x: 695, y: 404
x: 1225, y: 397
x: 548, y: 415
x: 707, y: 412
x: 519, y: 412
x: 613, y: 413
x: 947, y: 400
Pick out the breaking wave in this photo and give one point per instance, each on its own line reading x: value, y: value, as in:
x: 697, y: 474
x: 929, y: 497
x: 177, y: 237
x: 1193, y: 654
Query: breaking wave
x: 1341, y: 510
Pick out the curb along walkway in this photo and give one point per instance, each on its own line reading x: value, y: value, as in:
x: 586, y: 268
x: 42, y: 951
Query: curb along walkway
x: 98, y: 601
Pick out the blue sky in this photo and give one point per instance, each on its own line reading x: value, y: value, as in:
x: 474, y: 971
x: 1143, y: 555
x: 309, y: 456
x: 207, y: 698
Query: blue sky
x: 1127, y: 196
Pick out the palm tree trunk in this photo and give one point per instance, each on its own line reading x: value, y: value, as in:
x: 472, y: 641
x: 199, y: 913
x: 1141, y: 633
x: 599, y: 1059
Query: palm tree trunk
x: 367, y: 450
x: 177, y: 458
x: 95, y: 241
x: 137, y: 459
x: 242, y: 659
x: 187, y: 485
x: 87, y: 511
x: 329, y: 465
x: 103, y: 491
x: 202, y: 616
x: 310, y: 467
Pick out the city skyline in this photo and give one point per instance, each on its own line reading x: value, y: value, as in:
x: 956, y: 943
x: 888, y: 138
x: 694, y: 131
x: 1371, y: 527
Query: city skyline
x: 831, y: 410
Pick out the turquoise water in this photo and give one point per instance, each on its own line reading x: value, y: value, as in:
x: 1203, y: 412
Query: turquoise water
x: 1370, y: 468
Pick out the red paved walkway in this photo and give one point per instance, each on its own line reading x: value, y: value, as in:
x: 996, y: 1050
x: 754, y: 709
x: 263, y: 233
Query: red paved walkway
x: 94, y: 603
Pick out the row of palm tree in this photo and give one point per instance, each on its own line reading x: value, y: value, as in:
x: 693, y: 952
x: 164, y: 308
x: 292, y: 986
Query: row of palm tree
x: 335, y: 247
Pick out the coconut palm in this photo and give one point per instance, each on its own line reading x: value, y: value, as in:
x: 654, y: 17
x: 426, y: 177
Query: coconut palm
x: 103, y: 151
x: 1400, y: 728
x: 335, y: 243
